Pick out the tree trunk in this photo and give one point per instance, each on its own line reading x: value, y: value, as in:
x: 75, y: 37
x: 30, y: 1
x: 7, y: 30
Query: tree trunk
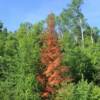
x: 92, y: 36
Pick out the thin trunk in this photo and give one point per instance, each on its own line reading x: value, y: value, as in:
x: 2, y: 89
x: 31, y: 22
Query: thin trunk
x: 82, y: 33
x: 82, y: 36
x: 92, y: 36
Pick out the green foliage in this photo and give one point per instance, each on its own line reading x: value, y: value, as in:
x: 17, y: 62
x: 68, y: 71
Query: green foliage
x: 81, y: 91
x: 66, y: 92
x: 20, y: 58
x: 95, y: 94
x: 79, y: 62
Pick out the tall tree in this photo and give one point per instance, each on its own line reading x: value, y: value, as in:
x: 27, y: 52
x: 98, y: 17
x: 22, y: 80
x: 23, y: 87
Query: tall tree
x: 73, y: 21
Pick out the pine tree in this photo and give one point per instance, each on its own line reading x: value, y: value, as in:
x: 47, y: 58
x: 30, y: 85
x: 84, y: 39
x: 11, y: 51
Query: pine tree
x: 52, y: 73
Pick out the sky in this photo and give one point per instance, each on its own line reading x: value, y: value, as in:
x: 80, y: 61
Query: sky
x: 14, y: 12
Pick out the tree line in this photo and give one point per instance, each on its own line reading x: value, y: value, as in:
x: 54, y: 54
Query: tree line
x: 20, y: 57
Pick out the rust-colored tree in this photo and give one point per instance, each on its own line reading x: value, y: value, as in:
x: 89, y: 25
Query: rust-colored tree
x: 52, y: 74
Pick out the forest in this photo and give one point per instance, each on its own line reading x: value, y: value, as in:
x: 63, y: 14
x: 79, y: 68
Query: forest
x: 21, y: 65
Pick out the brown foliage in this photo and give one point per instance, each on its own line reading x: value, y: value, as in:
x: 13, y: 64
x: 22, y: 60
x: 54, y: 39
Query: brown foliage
x: 52, y: 73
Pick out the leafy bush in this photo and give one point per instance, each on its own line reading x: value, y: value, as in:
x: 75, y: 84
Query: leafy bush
x: 79, y: 62
x: 81, y: 91
x: 22, y: 64
x: 66, y: 92
x: 95, y: 93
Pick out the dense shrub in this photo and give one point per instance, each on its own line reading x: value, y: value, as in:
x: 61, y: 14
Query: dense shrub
x: 79, y: 62
x: 66, y: 92
x: 81, y: 91
x: 22, y: 62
